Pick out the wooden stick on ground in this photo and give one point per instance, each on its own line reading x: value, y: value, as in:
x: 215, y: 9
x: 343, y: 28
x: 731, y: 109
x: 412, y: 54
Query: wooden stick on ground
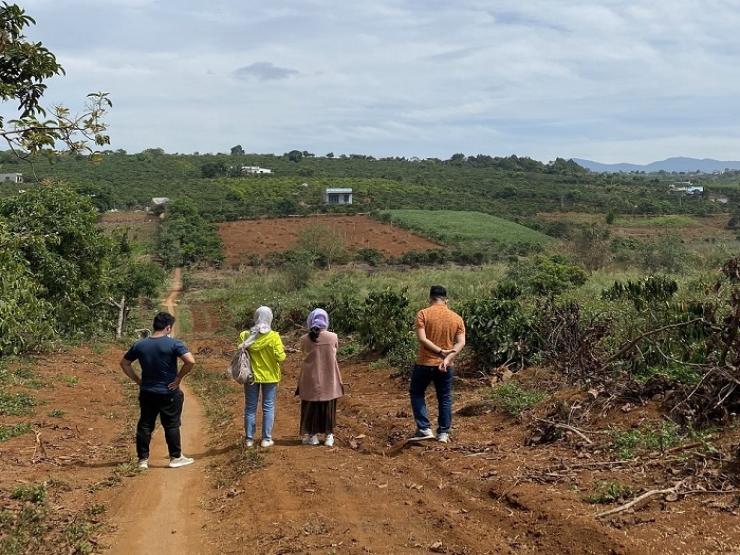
x: 639, y: 499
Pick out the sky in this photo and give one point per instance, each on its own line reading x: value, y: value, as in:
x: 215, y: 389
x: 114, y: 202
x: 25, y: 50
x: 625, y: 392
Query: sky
x: 608, y: 80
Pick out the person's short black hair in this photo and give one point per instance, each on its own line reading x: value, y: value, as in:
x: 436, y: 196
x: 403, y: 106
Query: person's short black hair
x: 437, y: 292
x: 162, y: 320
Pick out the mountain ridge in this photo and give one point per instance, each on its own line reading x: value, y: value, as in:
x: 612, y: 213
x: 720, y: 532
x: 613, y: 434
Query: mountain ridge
x: 673, y: 164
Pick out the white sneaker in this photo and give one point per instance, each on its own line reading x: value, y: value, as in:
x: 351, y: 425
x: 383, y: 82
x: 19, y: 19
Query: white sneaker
x: 249, y: 443
x: 267, y: 443
x: 306, y: 440
x: 312, y: 440
x: 421, y: 435
x: 329, y: 441
x: 143, y: 464
x: 182, y: 460
x: 443, y: 437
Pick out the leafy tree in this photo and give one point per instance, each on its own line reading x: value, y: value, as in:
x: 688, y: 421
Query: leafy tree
x: 213, y: 169
x: 237, y: 150
x: 591, y: 245
x: 295, y: 156
x: 24, y: 67
x: 24, y: 313
x: 64, y: 250
x: 187, y: 238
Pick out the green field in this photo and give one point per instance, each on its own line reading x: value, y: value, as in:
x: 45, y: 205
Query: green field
x: 453, y: 227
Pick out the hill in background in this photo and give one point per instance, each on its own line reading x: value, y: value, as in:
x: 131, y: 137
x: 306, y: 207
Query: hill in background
x: 675, y: 164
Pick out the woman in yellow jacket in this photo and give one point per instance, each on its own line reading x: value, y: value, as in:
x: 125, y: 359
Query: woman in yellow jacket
x: 265, y: 353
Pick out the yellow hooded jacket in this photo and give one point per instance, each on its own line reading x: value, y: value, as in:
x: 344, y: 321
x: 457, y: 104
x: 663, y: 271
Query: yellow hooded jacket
x: 265, y: 354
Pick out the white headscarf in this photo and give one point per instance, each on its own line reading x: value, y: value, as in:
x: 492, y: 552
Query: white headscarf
x: 262, y: 320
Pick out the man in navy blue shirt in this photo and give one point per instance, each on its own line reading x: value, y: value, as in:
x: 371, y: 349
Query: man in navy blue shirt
x: 159, y: 388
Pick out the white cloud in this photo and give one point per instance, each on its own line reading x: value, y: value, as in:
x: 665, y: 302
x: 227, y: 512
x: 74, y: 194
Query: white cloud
x: 613, y: 80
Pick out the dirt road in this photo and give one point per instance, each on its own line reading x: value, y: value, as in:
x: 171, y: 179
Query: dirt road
x: 160, y: 511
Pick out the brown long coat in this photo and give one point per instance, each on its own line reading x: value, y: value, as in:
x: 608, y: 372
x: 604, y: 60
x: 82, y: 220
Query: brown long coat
x: 320, y: 379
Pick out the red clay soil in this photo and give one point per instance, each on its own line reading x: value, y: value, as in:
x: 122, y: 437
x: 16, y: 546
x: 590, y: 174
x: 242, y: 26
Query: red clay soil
x: 82, y: 420
x: 245, y: 238
x: 483, y: 493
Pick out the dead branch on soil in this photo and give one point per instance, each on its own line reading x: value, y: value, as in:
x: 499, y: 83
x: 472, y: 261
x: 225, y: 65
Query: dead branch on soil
x: 39, y: 448
x: 674, y: 492
x: 639, y: 499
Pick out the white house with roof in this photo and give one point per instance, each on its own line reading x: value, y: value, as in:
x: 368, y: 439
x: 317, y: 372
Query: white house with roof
x: 255, y: 170
x: 11, y: 178
x: 337, y: 195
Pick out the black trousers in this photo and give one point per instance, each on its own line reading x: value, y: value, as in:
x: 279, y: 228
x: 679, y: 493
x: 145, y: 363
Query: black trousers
x: 169, y: 409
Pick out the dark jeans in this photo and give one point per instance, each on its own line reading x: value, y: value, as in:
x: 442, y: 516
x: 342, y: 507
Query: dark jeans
x: 421, y: 377
x: 169, y: 409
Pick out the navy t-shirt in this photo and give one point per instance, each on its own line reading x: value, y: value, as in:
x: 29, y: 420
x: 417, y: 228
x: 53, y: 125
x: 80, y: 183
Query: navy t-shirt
x: 158, y: 359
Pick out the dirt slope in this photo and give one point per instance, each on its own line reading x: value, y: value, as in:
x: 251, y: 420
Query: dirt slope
x: 354, y: 499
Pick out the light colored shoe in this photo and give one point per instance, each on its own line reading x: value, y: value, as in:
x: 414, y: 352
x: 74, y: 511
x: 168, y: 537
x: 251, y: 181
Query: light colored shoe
x: 267, y: 443
x: 182, y: 460
x: 306, y: 440
x: 329, y: 441
x: 313, y: 440
x: 421, y: 435
x: 143, y: 464
x: 249, y: 443
x: 443, y: 437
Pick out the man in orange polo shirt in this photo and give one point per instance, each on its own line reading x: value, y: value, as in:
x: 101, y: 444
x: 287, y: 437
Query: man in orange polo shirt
x: 441, y: 335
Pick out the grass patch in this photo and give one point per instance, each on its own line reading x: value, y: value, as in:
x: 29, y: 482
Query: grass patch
x: 70, y: 380
x: 453, y: 227
x: 650, y: 437
x: 243, y: 461
x: 669, y: 221
x: 681, y: 373
x: 608, y: 492
x: 6, y: 432
x: 184, y: 320
x: 214, y: 389
x: 15, y: 404
x: 56, y: 413
x: 37, y: 528
x: 514, y: 399
x: 33, y: 493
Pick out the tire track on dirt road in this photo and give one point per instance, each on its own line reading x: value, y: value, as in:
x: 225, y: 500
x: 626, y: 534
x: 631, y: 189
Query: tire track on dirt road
x: 160, y: 511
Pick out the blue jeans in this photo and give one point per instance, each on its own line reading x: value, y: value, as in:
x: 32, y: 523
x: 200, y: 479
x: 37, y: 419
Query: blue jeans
x: 421, y: 377
x: 251, y: 394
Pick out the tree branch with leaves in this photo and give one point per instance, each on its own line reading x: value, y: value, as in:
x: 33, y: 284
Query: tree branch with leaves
x: 24, y: 67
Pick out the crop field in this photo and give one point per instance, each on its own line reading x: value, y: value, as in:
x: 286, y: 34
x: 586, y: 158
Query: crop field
x: 245, y: 238
x: 452, y: 227
x: 686, y: 227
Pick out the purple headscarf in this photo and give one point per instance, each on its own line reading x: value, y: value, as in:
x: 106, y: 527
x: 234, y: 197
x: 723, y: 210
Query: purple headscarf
x: 318, y: 319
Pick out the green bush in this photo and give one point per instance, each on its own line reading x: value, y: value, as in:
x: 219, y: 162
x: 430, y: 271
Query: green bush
x: 546, y: 275
x: 385, y: 321
x: 373, y: 257
x: 496, y: 329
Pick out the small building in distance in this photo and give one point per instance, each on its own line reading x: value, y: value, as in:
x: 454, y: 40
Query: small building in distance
x: 687, y: 188
x: 337, y: 195
x: 11, y: 178
x: 255, y: 170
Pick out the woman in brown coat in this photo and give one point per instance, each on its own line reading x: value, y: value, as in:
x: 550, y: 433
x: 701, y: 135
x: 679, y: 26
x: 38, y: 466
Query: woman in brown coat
x: 320, y: 382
